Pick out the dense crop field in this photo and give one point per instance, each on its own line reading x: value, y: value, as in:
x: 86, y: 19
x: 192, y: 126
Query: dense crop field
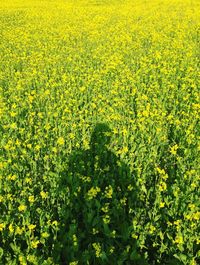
x: 100, y: 132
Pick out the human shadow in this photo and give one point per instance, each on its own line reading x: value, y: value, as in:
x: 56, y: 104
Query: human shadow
x: 95, y: 217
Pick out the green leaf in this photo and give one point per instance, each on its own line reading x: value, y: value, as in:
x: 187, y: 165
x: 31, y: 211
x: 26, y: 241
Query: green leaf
x: 181, y: 257
x: 1, y: 252
x: 134, y: 255
x: 161, y: 235
x: 104, y: 256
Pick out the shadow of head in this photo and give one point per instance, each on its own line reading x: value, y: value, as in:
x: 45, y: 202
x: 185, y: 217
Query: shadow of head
x: 101, y: 137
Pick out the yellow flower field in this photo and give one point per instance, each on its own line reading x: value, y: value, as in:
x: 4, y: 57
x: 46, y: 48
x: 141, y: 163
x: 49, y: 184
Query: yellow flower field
x: 99, y: 132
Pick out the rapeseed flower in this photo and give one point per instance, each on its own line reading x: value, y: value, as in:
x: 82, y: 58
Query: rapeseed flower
x: 22, y: 208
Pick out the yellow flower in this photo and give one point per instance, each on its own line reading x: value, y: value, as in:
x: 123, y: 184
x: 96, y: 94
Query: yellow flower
x: 31, y: 227
x: 34, y: 244
x: 55, y: 223
x: 28, y: 180
x: 191, y: 206
x: 30, y: 98
x: 75, y: 240
x: 162, y: 186
x: 12, y: 177
x: 106, y: 219
x: 13, y: 125
x: 162, y: 204
x: 152, y: 229
x: 124, y: 150
x: 22, y: 260
x: 92, y: 193
x: 2, y: 226
x: 177, y: 222
x: 13, y: 114
x: 179, y: 239
x: 71, y: 135
x: 160, y: 171
x: 109, y: 192
x: 47, y: 92
x: 32, y: 259
x: 105, y: 209
x: 173, y: 149
x: 54, y: 149
x: 82, y: 89
x: 43, y: 194
x: 29, y: 146
x: 124, y: 131
x: 196, y: 216
x: 133, y: 235
x: 60, y: 141
x: 19, y: 230
x: 37, y: 147
x: 11, y: 228
x: 97, y: 248
x: 22, y: 208
x: 31, y: 199
x: 45, y: 235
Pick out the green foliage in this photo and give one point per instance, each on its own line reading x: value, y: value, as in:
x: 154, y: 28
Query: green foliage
x: 99, y: 133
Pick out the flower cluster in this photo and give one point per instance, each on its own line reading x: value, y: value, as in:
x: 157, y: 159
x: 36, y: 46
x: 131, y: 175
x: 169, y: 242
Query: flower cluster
x: 99, y: 110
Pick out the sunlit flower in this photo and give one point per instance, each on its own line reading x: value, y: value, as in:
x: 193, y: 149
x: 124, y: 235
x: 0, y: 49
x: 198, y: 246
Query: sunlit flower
x: 31, y: 199
x: 60, y: 141
x: 2, y: 226
x: 22, y: 208
x: 34, y: 244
